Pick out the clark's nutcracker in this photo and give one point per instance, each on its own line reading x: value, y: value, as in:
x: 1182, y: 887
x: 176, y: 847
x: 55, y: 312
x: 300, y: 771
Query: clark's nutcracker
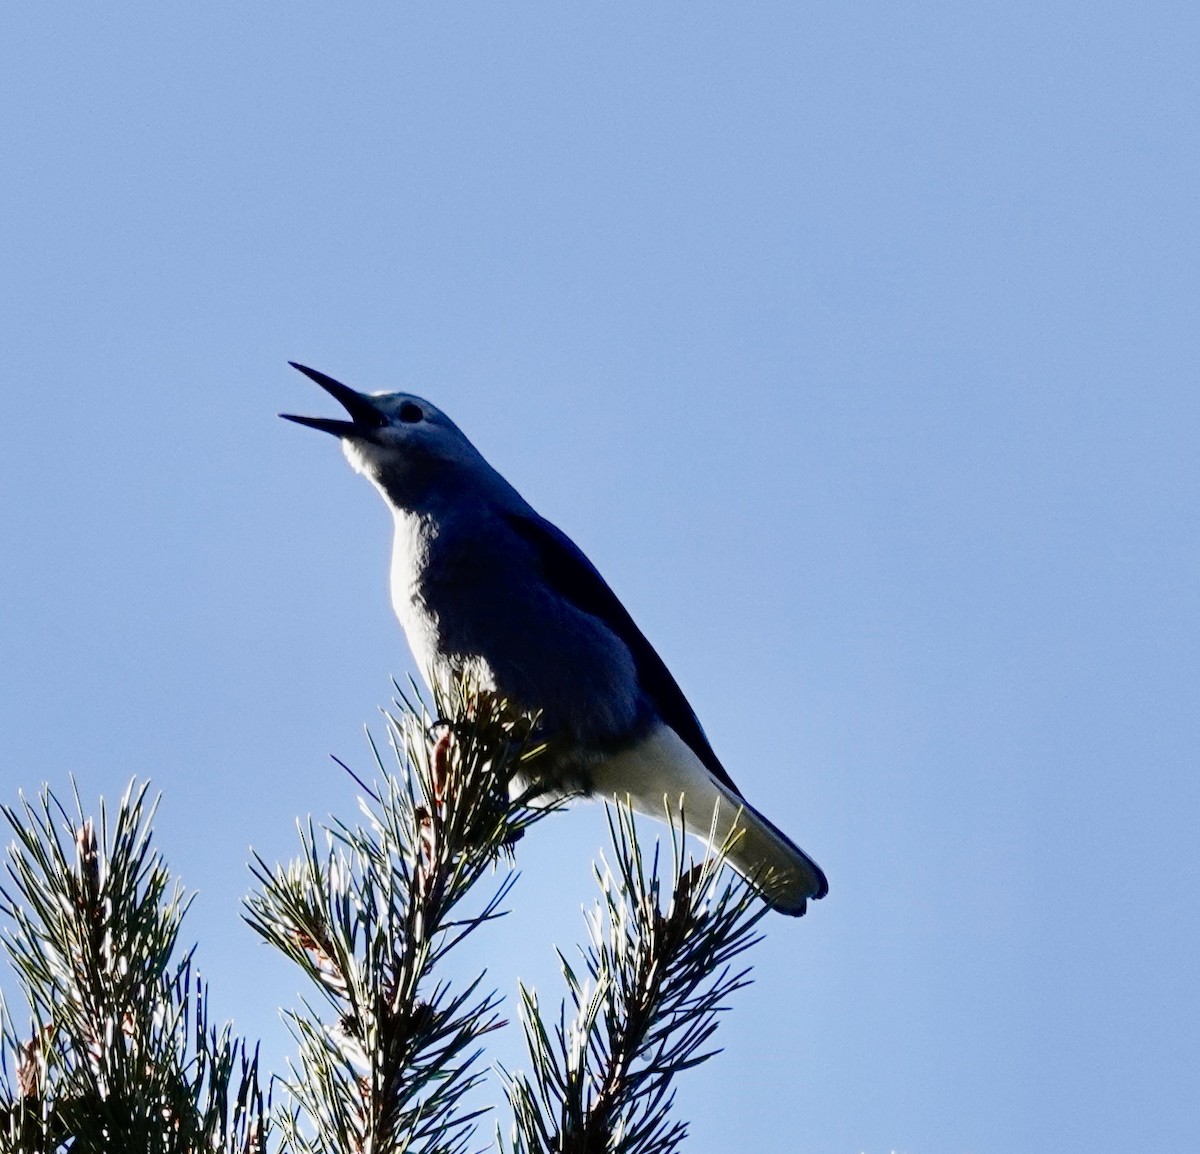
x: 481, y: 582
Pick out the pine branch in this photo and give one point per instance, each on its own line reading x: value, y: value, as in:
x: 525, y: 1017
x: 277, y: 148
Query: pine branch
x: 645, y: 1007
x: 119, y: 1052
x: 369, y: 912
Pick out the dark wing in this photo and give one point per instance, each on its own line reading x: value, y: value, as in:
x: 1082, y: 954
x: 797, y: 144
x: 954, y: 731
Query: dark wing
x: 576, y: 579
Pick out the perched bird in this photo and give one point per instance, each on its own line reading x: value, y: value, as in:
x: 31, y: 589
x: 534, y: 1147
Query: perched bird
x: 481, y: 582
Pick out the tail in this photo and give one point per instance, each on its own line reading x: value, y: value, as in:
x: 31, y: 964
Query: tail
x: 663, y: 770
x: 767, y: 858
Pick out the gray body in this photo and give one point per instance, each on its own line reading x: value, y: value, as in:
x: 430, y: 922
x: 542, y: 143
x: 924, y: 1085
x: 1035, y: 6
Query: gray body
x: 480, y: 581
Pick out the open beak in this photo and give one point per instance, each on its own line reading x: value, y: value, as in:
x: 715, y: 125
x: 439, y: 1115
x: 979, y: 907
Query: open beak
x: 365, y: 418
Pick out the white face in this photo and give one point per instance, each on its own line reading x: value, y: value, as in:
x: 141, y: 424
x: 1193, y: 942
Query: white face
x: 359, y: 454
x: 409, y: 449
x: 393, y: 441
x: 417, y: 440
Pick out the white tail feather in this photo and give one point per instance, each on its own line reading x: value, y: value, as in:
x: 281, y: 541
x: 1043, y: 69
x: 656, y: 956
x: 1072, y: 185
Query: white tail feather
x: 661, y: 772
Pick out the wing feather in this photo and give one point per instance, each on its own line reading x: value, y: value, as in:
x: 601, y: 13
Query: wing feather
x: 568, y: 571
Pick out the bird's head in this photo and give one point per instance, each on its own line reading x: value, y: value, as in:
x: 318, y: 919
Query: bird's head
x: 409, y: 448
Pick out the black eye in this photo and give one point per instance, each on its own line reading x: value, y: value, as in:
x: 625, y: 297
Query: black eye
x: 411, y: 413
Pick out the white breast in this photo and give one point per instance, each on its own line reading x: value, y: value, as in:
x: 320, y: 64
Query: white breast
x: 410, y: 548
x: 410, y: 556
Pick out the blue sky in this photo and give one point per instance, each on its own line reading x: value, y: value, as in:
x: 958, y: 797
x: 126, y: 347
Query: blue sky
x: 856, y: 344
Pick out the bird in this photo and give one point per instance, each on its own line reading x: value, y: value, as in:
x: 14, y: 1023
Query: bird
x: 483, y: 584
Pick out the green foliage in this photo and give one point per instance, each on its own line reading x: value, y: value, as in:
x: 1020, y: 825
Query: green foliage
x: 369, y: 912
x: 654, y: 982
x: 119, y: 1053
